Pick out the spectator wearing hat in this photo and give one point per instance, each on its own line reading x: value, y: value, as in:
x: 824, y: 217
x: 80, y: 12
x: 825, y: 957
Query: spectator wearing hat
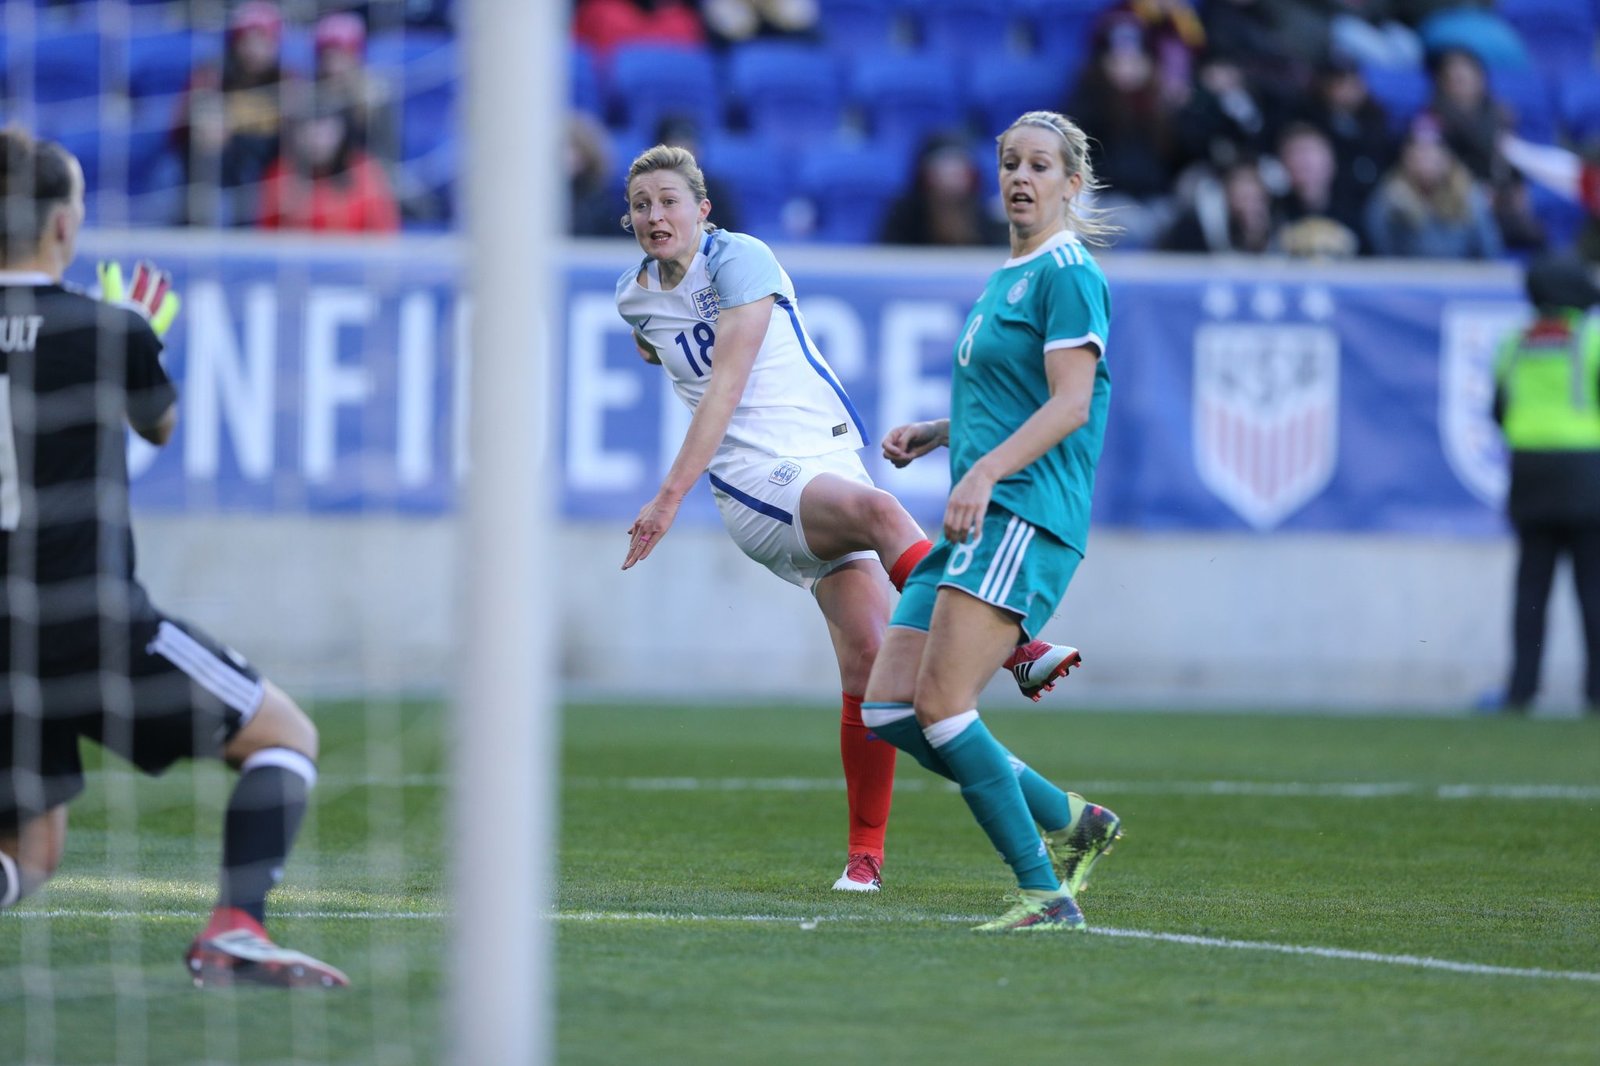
x: 1429, y: 206
x: 1547, y: 401
x: 344, y: 80
x: 229, y: 120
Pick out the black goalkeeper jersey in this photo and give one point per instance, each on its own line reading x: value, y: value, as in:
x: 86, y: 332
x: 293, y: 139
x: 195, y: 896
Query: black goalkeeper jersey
x: 74, y: 372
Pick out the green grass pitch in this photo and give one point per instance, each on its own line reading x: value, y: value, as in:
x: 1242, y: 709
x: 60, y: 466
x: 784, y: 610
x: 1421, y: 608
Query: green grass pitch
x: 696, y: 923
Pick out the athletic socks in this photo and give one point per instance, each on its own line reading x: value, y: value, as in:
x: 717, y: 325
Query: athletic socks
x: 1048, y: 805
x: 868, y: 779
x: 908, y: 562
x: 10, y: 881
x: 1052, y: 808
x: 263, y: 816
x: 989, y: 785
x: 897, y: 723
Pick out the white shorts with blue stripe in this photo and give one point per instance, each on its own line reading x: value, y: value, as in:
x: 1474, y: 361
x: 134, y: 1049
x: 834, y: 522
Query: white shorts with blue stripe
x: 759, y: 498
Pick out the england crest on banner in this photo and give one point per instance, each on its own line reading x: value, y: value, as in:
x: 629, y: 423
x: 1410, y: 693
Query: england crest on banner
x: 1266, y: 415
x: 1469, y: 339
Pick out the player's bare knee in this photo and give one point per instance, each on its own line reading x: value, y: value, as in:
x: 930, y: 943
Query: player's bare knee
x: 277, y: 723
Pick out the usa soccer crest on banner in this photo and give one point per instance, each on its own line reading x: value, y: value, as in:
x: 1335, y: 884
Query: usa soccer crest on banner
x: 1266, y: 415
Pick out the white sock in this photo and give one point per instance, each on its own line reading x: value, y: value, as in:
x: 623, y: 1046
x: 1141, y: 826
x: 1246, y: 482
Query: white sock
x: 943, y: 732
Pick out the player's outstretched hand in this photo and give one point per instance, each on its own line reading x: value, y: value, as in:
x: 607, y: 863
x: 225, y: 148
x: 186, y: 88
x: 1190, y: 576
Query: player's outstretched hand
x: 150, y: 294
x: 905, y: 443
x: 655, y: 518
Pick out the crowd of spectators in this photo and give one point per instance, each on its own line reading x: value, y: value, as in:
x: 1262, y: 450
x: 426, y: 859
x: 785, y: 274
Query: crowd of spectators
x: 267, y: 146
x: 1244, y: 126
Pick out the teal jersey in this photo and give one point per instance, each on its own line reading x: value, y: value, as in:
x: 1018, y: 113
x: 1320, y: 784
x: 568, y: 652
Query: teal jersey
x: 1054, y: 298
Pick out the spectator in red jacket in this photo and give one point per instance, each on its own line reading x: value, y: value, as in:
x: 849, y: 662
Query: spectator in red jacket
x: 324, y: 181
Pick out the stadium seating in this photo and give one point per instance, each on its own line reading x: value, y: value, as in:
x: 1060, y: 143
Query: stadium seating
x: 1527, y: 94
x: 851, y: 26
x: 760, y: 175
x: 963, y: 28
x: 847, y: 186
x: 649, y: 82
x: 1061, y: 28
x: 1004, y: 86
x: 67, y: 65
x: 583, y: 81
x: 904, y: 97
x: 162, y: 62
x: 1561, y: 34
x: 1403, y: 91
x: 1580, y: 107
x: 789, y: 93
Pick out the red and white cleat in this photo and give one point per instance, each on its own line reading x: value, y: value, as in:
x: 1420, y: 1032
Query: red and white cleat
x: 1037, y: 666
x: 235, y: 949
x: 861, y: 874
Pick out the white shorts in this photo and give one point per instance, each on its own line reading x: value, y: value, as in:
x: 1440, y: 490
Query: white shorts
x: 759, y: 498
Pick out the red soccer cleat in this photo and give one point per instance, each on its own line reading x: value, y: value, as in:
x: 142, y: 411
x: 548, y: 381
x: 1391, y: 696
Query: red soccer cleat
x: 1037, y: 666
x: 235, y: 949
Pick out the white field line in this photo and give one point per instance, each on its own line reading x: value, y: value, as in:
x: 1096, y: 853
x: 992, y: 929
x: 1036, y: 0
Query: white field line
x: 1423, y: 962
x: 1314, y: 789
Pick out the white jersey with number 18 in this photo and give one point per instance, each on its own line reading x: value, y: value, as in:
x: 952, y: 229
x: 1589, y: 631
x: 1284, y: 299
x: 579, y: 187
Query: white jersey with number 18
x: 793, y: 404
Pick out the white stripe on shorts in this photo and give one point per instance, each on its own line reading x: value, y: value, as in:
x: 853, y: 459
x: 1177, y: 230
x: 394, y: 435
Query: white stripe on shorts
x: 1002, y: 558
x: 1016, y: 562
x: 211, y: 673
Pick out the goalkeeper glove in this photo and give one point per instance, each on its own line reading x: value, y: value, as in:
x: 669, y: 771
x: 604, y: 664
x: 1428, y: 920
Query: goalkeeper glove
x: 151, y: 294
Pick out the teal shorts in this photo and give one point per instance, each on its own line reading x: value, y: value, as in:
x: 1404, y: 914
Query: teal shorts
x: 1013, y: 564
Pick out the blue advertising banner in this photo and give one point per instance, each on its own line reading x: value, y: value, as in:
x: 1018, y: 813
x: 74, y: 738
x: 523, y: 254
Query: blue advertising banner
x: 324, y: 376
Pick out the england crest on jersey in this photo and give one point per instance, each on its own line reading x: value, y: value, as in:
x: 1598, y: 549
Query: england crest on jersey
x: 1266, y: 415
x: 1469, y: 339
x: 705, y: 304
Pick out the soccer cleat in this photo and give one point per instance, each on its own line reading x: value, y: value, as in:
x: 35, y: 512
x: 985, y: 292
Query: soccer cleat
x: 1075, y: 849
x: 1037, y: 666
x: 861, y: 874
x: 235, y: 949
x: 1040, y: 913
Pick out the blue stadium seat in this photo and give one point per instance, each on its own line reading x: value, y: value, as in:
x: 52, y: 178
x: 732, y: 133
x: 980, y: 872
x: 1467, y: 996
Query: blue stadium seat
x: 905, y: 97
x: 583, y: 84
x: 1061, y: 28
x: 760, y: 175
x: 846, y: 185
x: 649, y: 82
x: 427, y: 119
x: 963, y: 27
x: 161, y: 63
x: 1562, y: 218
x: 67, y: 66
x: 1580, y: 107
x: 789, y: 92
x: 1004, y: 86
x: 1559, y: 33
x: 1402, y: 91
x: 852, y: 26
x: 1528, y: 96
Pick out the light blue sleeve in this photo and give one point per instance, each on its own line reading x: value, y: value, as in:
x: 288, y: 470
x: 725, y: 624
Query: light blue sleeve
x: 1077, y: 309
x: 743, y: 270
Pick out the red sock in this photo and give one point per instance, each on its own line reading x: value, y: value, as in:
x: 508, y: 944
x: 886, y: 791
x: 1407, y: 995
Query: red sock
x: 868, y: 779
x: 905, y: 564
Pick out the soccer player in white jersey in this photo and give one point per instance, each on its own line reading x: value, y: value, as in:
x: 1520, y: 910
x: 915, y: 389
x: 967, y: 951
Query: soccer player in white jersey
x: 779, y: 437
x: 1029, y: 395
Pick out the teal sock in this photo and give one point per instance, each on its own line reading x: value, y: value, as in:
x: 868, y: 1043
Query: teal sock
x: 989, y: 785
x: 905, y: 734
x: 1048, y: 804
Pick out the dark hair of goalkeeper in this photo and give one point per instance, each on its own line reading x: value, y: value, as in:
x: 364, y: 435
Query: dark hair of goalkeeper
x: 36, y: 177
